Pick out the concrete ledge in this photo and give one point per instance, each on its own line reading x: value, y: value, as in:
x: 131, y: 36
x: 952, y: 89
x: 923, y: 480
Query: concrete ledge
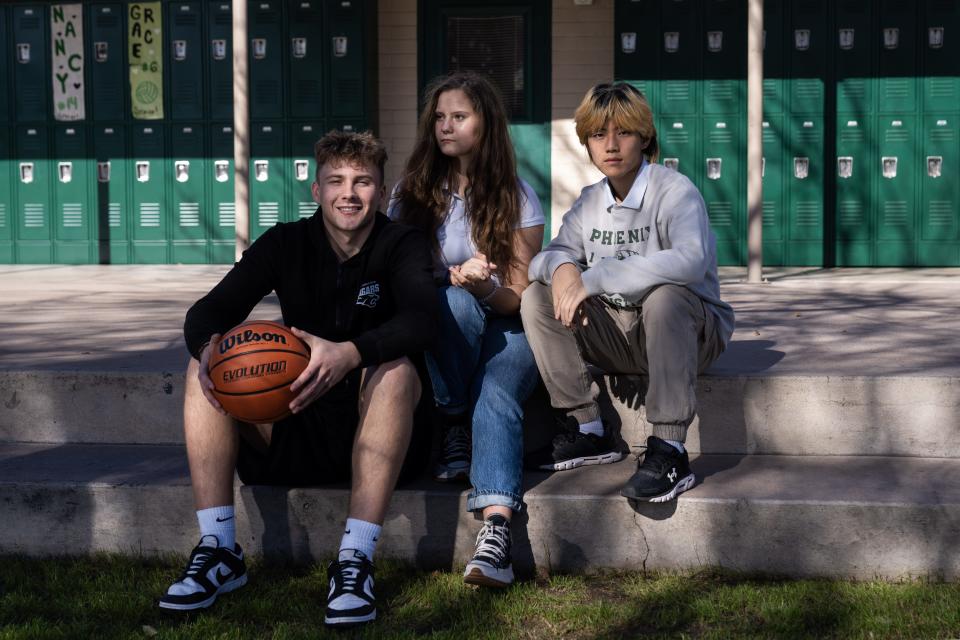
x: 858, y: 517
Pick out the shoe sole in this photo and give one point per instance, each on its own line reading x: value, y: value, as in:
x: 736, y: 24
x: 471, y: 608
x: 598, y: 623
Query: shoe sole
x: 476, y: 576
x: 226, y: 587
x: 452, y: 476
x: 573, y: 463
x: 350, y: 621
x: 684, y: 484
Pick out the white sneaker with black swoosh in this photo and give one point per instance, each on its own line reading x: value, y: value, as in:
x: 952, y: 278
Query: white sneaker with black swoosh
x: 212, y: 570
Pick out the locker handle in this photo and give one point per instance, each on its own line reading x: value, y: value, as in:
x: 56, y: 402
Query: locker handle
x: 103, y: 171
x: 628, y: 42
x: 26, y: 172
x: 889, y: 164
x: 934, y: 166
x: 301, y: 169
x: 298, y: 47
x: 801, y: 168
x: 714, y: 168
x: 339, y: 46
x: 65, y: 171
x: 845, y: 166
x: 261, y: 170
x: 181, y: 170
x: 672, y: 163
x: 221, y: 170
x: 143, y: 171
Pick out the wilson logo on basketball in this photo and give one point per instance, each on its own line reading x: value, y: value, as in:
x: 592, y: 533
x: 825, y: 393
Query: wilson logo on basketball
x: 249, y: 336
x: 256, y: 371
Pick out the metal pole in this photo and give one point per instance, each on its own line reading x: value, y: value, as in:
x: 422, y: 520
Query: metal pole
x: 241, y: 128
x: 755, y: 142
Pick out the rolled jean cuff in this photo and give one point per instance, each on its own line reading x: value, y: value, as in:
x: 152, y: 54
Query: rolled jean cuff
x: 677, y: 432
x: 478, y: 500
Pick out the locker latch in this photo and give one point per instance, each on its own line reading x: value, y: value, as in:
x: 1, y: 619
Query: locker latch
x: 671, y: 41
x: 23, y: 52
x: 339, y: 46
x: 261, y: 169
x: 801, y: 39
x: 26, y: 172
x: 65, y: 171
x: 935, y: 37
x: 100, y: 50
x: 299, y: 47
x: 259, y: 48
x: 763, y: 167
x: 103, y: 171
x: 672, y: 163
x: 934, y: 164
x: 181, y: 170
x: 801, y: 168
x: 221, y: 170
x: 713, y: 168
x: 845, y: 166
x: 846, y: 39
x: 891, y: 37
x: 179, y: 50
x: 889, y: 167
x: 218, y: 49
x: 301, y: 169
x: 143, y: 171
x: 714, y: 41
x: 628, y: 42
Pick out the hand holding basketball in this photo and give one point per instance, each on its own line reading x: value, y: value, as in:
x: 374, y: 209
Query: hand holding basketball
x: 206, y: 384
x: 329, y: 363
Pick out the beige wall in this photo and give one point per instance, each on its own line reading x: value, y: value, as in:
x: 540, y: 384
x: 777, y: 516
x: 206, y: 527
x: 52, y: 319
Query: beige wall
x: 582, y: 56
x: 397, y: 25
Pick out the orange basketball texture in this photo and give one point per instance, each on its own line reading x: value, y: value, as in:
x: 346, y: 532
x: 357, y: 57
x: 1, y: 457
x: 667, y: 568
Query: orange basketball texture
x: 252, y: 368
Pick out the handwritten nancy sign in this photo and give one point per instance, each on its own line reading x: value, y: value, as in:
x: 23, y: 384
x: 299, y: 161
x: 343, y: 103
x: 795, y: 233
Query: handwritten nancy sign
x: 66, y: 33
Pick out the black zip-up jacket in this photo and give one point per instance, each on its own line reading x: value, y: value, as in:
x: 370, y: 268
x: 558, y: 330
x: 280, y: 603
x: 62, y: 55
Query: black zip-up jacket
x: 382, y: 299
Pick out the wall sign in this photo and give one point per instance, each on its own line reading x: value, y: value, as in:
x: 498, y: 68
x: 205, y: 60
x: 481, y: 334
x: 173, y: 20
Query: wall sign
x: 66, y: 35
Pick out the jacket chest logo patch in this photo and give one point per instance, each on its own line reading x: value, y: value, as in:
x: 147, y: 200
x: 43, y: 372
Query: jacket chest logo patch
x: 369, y: 294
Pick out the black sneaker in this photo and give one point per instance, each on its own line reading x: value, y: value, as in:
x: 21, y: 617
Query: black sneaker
x: 453, y: 464
x: 212, y: 570
x: 350, y: 600
x: 663, y: 475
x: 572, y: 449
x: 491, y: 565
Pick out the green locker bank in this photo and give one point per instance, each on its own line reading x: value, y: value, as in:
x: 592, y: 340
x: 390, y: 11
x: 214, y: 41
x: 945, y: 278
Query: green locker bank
x: 860, y: 127
x: 114, y: 189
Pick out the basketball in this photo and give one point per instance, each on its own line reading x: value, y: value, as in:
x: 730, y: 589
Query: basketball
x: 252, y: 368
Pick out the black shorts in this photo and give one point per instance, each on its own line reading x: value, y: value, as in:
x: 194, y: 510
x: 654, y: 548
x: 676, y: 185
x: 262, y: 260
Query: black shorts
x: 315, y: 446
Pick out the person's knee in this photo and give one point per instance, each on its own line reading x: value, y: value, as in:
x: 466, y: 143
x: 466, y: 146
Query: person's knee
x: 398, y: 378
x: 665, y: 305
x: 533, y: 300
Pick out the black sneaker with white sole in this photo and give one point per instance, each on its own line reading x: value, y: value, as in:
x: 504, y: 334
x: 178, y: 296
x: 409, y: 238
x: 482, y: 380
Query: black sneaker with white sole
x: 491, y: 565
x: 571, y: 448
x: 350, y: 600
x: 453, y: 463
x: 212, y: 570
x: 662, y: 475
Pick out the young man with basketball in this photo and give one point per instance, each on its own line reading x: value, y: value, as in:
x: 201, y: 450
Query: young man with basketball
x: 630, y: 286
x: 353, y: 416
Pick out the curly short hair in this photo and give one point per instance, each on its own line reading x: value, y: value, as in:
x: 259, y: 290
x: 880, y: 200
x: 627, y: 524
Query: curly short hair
x: 354, y: 148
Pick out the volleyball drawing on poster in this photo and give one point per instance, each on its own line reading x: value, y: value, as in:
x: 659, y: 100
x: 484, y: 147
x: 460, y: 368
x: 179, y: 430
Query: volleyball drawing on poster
x: 146, y: 60
x: 66, y: 35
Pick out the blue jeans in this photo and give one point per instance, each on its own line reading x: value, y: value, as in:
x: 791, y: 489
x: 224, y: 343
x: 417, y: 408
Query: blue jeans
x: 483, y: 363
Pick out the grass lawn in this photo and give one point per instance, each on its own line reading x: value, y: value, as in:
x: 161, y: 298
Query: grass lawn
x: 115, y: 597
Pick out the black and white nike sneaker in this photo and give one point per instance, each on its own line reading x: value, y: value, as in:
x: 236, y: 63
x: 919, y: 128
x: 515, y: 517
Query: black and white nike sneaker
x: 491, y: 565
x: 663, y: 474
x: 212, y: 570
x: 350, y: 601
x: 571, y: 448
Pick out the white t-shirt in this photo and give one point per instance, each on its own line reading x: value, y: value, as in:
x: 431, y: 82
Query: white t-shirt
x: 456, y: 244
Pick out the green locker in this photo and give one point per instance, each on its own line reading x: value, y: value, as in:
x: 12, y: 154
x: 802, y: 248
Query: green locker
x: 34, y: 207
x: 184, y: 66
x: 151, y: 220
x: 192, y: 218
x: 5, y: 47
x: 266, y: 54
x: 106, y: 49
x: 725, y: 58
x: 772, y: 170
x: 853, y: 58
x: 219, y: 52
x: 303, y: 168
x: 6, y: 197
x: 31, y: 69
x: 855, y: 179
x: 775, y: 40
x: 899, y: 173
x: 346, y: 63
x: 679, y: 139
x: 897, y: 58
x: 807, y: 49
x: 221, y: 199
x: 680, y: 60
x: 639, y: 46
x: 939, y: 192
x: 306, y: 46
x: 113, y: 183
x: 721, y: 185
x: 269, y: 178
x: 73, y: 214
x: 804, y: 178
x: 940, y: 55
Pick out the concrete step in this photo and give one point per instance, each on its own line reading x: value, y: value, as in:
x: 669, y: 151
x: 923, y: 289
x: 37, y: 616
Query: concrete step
x: 860, y: 517
x: 909, y: 415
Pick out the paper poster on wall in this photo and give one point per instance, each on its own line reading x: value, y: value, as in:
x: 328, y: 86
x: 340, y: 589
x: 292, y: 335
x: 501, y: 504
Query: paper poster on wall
x: 146, y: 60
x: 66, y: 35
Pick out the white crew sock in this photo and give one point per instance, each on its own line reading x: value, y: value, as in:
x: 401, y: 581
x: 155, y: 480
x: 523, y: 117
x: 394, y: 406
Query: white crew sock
x: 360, y: 535
x: 219, y: 522
x: 676, y: 445
x: 595, y: 427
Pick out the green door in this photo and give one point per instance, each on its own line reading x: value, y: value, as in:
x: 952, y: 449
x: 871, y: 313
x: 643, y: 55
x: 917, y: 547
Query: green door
x: 184, y: 65
x: 152, y: 218
x: 772, y: 170
x: 31, y: 71
x: 74, y: 215
x: 192, y: 215
x: 105, y: 55
x: 680, y: 61
x: 805, y: 172
x: 305, y: 49
x: 221, y: 199
x: 899, y: 173
x: 219, y: 54
x: 898, y: 85
x: 6, y: 46
x: 34, y: 231
x: 269, y: 178
x: 722, y: 186
x: 941, y: 55
x: 855, y: 180
x: 939, y: 191
x: 114, y: 177
x: 303, y: 169
x: 679, y: 145
x: 637, y: 54
x: 265, y: 55
x: 6, y: 197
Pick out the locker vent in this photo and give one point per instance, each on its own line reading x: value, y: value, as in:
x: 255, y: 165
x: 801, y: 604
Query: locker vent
x: 895, y: 213
x: 722, y: 89
x: 185, y: 19
x: 852, y: 134
x: 73, y: 214
x: 942, y: 135
x: 808, y: 135
x: 113, y: 214
x: 3, y: 215
x: 896, y: 135
x: 32, y: 97
x: 720, y: 213
x: 720, y: 136
x: 268, y: 213
x: 306, y: 209
x: 677, y: 90
x: 189, y: 214
x: 769, y: 213
x: 29, y: 22
x: 226, y: 214
x: 897, y: 88
x: 33, y: 215
x: 107, y: 21
x: 851, y: 213
x: 807, y: 88
x: 854, y: 88
x: 769, y: 90
x: 942, y: 87
x: 223, y: 18
x: 266, y: 92
x: 808, y: 214
x: 311, y: 91
x: 941, y: 213
x: 149, y: 214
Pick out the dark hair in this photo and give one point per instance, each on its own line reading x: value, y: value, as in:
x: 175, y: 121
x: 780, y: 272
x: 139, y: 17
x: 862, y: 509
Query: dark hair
x: 348, y: 146
x: 625, y: 105
x: 494, y: 197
